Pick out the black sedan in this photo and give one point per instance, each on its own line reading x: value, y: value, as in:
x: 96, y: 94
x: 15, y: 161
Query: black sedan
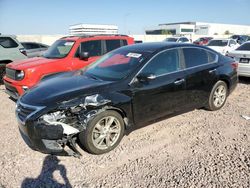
x: 124, y: 90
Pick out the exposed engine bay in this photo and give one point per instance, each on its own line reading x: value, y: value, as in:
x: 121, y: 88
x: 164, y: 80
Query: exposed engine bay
x: 73, y: 117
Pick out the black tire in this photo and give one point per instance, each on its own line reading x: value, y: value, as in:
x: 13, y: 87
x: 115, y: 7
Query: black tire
x: 86, y: 137
x: 211, y: 101
x: 2, y: 72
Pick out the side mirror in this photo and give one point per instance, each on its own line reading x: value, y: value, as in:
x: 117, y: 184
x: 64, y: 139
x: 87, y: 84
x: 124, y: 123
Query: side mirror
x: 84, y: 56
x: 146, y: 77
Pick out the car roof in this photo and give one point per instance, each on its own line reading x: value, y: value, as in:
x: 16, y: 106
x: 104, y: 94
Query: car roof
x: 155, y: 46
x: 76, y: 37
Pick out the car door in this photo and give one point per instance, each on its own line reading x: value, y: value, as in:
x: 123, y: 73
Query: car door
x: 95, y: 50
x: 163, y: 95
x: 201, y: 74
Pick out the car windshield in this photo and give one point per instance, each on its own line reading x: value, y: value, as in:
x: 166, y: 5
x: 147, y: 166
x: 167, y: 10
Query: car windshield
x: 115, y: 65
x: 170, y: 39
x: 218, y: 43
x: 244, y: 47
x: 59, y: 49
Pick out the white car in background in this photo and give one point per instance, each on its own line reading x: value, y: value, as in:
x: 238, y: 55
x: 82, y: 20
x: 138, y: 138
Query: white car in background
x: 177, y: 39
x: 242, y: 55
x: 223, y: 46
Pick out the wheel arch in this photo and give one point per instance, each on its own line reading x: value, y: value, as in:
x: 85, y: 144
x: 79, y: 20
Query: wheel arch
x: 122, y: 113
x: 226, y: 80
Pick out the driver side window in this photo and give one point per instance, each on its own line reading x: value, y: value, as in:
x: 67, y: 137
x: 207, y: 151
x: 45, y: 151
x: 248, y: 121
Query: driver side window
x: 163, y: 63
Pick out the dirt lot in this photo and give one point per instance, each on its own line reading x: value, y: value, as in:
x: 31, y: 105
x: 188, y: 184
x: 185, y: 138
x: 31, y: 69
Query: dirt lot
x: 196, y: 149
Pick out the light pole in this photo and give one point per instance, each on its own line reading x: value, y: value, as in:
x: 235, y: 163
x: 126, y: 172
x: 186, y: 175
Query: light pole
x: 125, y: 23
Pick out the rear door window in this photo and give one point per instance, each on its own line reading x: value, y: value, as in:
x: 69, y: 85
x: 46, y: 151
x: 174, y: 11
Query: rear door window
x: 112, y: 44
x: 124, y: 42
x: 196, y: 57
x: 8, y: 42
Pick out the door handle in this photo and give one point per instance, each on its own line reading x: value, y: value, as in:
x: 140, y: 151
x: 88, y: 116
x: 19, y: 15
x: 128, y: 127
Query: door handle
x: 212, y: 71
x: 179, y: 81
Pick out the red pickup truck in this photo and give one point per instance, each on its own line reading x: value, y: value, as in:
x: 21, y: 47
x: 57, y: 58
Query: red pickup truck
x: 66, y: 54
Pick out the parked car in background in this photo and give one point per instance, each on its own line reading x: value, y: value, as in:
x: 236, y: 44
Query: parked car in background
x: 66, y: 54
x: 203, y: 41
x: 223, y: 46
x: 177, y: 39
x: 138, y: 41
x: 242, y: 55
x: 122, y: 91
x: 34, y: 49
x: 10, y: 50
x: 240, y: 38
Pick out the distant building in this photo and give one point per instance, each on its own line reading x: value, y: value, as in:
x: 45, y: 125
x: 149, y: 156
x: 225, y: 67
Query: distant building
x: 198, y: 28
x: 91, y: 29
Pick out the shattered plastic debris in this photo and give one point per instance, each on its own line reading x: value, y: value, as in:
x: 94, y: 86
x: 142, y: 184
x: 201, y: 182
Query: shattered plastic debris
x: 246, y: 117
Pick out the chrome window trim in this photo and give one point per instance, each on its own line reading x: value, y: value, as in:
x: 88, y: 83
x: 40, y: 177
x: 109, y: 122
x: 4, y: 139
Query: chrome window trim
x: 215, y: 61
x: 36, y: 109
x: 183, y: 69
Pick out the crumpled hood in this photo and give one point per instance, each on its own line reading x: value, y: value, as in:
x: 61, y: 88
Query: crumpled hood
x: 30, y: 63
x: 65, y: 86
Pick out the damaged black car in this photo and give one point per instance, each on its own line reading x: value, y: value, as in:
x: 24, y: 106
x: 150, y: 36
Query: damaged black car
x: 124, y: 90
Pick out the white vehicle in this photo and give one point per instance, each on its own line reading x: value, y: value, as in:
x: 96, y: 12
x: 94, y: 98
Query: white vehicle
x: 223, y: 46
x: 242, y: 55
x: 177, y: 39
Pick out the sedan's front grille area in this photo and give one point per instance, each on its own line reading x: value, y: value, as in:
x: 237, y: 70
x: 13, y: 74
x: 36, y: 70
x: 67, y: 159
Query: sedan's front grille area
x: 11, y: 73
x: 24, y: 111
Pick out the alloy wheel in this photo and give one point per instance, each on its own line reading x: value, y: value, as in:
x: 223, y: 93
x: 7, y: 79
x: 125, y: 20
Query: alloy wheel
x: 219, y: 96
x: 106, y: 132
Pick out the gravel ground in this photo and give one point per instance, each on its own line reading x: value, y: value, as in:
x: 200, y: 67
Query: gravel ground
x: 196, y: 149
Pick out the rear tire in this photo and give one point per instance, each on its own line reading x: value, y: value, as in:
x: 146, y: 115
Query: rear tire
x: 218, y: 96
x: 103, y: 133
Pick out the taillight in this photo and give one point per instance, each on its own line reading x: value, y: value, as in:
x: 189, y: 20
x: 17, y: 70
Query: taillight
x: 23, y: 51
x: 234, y: 65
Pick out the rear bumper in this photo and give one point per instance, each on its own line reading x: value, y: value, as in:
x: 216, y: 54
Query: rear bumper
x: 244, y: 70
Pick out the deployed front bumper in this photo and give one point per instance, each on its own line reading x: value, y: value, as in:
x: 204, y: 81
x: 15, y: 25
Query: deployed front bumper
x: 43, y: 138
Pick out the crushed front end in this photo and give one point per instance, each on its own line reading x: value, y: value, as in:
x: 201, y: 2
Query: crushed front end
x: 55, y: 131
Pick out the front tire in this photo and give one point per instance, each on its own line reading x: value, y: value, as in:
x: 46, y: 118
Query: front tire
x: 103, y: 133
x: 218, y: 96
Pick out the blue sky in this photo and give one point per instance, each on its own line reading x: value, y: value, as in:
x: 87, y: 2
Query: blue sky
x: 131, y: 16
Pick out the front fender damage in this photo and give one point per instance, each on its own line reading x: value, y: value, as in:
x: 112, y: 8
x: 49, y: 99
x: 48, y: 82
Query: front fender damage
x: 73, y: 116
